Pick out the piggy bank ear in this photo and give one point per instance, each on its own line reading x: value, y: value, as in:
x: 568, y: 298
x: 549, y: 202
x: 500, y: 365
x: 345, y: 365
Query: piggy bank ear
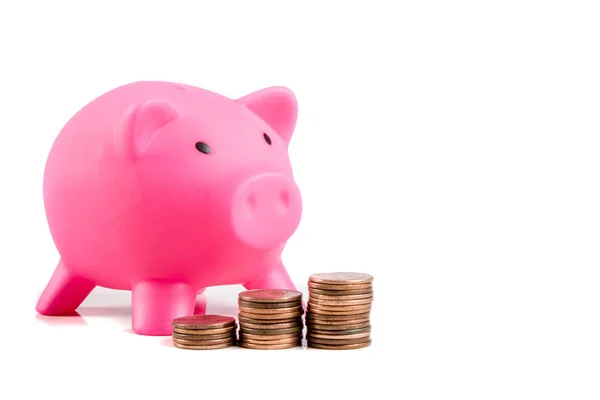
x: 277, y: 106
x: 139, y: 124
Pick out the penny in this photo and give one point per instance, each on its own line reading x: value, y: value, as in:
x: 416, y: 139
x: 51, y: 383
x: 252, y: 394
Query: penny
x: 313, y: 291
x: 269, y: 346
x: 335, y: 302
x: 272, y: 316
x: 338, y: 311
x: 203, y: 322
x: 268, y: 332
x: 270, y: 327
x: 276, y: 340
x: 204, y: 342
x: 343, y: 333
x: 315, y: 296
x: 270, y: 295
x: 322, y: 311
x: 339, y: 347
x: 248, y: 304
x: 335, y: 328
x: 202, y: 346
x: 244, y: 319
x: 279, y: 311
x: 338, y: 305
x: 325, y: 317
x: 323, y: 336
x: 339, y: 341
x: 204, y: 331
x: 341, y: 278
x: 184, y: 336
x: 323, y: 286
x: 333, y: 324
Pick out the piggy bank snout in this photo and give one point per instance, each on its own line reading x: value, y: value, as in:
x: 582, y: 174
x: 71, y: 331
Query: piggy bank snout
x: 266, y: 210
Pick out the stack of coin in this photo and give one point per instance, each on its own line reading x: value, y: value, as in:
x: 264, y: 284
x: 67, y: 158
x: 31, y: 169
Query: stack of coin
x: 339, y: 309
x: 204, y: 332
x: 270, y: 319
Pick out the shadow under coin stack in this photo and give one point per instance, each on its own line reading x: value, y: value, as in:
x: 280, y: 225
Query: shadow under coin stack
x: 204, y: 332
x: 270, y: 319
x: 339, y: 309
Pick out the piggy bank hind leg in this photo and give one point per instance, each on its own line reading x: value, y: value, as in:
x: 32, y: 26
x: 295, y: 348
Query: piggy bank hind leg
x: 64, y: 293
x: 156, y: 303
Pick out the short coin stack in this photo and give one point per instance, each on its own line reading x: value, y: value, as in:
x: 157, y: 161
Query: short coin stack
x: 270, y: 319
x: 204, y: 332
x: 339, y: 309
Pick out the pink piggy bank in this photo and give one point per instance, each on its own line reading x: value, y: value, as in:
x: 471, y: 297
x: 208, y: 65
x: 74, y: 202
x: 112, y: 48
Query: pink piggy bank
x: 166, y: 189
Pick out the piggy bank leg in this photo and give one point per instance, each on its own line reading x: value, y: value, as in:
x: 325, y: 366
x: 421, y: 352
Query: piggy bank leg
x: 200, y: 307
x: 155, y: 305
x: 64, y: 293
x: 276, y: 278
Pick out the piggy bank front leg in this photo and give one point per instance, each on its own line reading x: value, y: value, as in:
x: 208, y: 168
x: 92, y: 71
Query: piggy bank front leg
x: 275, y: 278
x: 155, y: 304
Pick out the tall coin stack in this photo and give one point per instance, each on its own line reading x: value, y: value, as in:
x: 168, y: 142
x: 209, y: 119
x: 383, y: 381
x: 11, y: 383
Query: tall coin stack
x: 270, y: 319
x: 339, y: 309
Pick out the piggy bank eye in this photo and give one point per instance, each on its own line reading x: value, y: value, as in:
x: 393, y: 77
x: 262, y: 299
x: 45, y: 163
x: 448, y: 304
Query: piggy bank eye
x: 267, y: 138
x: 203, y: 148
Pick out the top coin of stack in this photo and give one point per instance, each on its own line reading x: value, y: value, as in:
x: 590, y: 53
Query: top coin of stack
x: 270, y: 319
x: 339, y: 309
x: 204, y: 332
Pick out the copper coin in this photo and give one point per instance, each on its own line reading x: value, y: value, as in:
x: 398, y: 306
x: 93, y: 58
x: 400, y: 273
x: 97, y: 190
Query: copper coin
x: 270, y: 295
x: 339, y: 347
x: 338, y: 307
x: 342, y: 334
x: 312, y: 291
x: 269, y: 346
x: 184, y: 336
x: 272, y: 316
x: 323, y: 286
x: 266, y: 332
x: 202, y: 346
x: 273, y: 338
x: 342, y: 278
x: 339, y: 311
x: 272, y: 310
x: 204, y: 331
x: 335, y: 328
x: 321, y: 311
x: 203, y: 322
x: 335, y: 302
x: 323, y: 297
x: 339, y: 341
x: 245, y: 319
x: 347, y: 303
x: 327, y: 318
x: 203, y: 342
x: 273, y: 342
x: 342, y: 310
x: 311, y: 322
x: 325, y: 336
x: 269, y: 327
x: 289, y: 304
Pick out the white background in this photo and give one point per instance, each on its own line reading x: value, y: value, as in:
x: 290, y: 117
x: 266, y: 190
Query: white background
x: 450, y: 149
